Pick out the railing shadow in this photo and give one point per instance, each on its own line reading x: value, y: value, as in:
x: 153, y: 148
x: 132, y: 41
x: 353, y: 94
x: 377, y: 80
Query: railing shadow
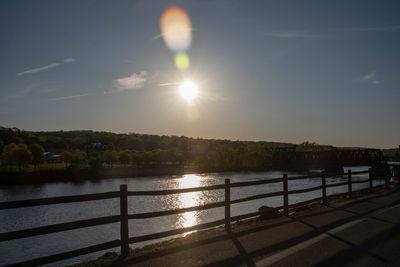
x: 359, y: 249
x: 356, y: 252
x: 245, y: 257
x: 242, y: 258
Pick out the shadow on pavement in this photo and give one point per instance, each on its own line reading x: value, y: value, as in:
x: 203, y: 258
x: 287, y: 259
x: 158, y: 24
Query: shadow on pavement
x: 356, y: 253
x: 247, y: 258
x: 354, y: 248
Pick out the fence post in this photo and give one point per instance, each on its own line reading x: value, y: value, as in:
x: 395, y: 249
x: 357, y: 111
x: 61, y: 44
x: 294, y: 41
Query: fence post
x: 349, y: 183
x: 124, y: 220
x: 285, y: 195
x: 370, y: 180
x: 228, y: 205
x: 324, y: 189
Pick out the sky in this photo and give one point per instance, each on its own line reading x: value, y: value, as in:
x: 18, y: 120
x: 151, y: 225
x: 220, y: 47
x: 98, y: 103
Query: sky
x: 287, y: 71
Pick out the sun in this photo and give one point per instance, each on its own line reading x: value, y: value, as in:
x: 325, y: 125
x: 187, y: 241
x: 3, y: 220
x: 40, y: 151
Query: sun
x: 188, y: 90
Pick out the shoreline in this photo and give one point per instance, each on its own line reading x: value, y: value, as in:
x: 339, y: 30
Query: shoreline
x: 87, y: 174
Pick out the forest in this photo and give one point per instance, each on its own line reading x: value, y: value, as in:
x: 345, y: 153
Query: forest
x: 66, y: 155
x: 20, y: 148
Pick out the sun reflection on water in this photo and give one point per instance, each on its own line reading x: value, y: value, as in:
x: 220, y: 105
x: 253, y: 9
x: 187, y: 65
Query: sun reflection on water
x: 191, y: 199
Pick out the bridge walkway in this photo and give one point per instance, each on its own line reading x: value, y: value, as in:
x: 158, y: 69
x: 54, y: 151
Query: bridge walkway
x: 363, y: 231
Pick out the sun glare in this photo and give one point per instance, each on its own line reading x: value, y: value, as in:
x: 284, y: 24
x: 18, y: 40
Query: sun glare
x: 188, y: 90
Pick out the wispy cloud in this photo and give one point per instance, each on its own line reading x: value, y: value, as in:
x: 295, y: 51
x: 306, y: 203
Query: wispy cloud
x: 39, y: 69
x: 295, y: 34
x: 14, y: 96
x: 372, y: 28
x: 369, y: 77
x: 45, y: 90
x: 69, y: 60
x: 46, y: 67
x: 135, y: 81
x: 68, y: 97
x: 132, y: 82
x: 329, y: 32
x: 24, y: 92
x: 168, y: 84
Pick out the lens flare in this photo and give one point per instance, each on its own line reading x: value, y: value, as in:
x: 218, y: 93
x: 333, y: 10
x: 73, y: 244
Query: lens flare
x: 176, y: 28
x: 182, y: 61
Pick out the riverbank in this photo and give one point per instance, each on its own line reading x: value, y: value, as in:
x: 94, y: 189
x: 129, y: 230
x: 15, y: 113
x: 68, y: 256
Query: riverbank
x: 256, y: 239
x: 83, y: 174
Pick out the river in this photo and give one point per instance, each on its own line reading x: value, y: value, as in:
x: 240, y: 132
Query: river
x: 33, y: 247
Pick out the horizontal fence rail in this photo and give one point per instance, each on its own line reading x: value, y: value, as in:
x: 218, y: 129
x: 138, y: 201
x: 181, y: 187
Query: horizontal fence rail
x: 176, y: 211
x: 359, y: 172
x: 273, y: 194
x: 60, y: 227
x: 300, y: 191
x: 250, y: 183
x: 124, y: 217
x: 305, y: 177
x: 57, y: 200
x: 175, y: 191
x: 336, y: 184
x: 360, y: 182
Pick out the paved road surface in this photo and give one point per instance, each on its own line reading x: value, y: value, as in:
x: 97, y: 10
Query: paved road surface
x: 357, y: 232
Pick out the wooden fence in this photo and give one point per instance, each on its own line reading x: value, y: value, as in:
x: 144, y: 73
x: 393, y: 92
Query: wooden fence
x: 124, y: 216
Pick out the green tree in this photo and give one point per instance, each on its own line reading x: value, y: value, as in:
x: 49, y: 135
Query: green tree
x: 66, y: 156
x: 22, y: 155
x: 110, y: 157
x: 8, y: 155
x: 1, y: 145
x: 95, y: 163
x: 78, y: 158
x: 95, y: 160
x: 74, y: 157
x: 37, y: 153
x: 124, y: 157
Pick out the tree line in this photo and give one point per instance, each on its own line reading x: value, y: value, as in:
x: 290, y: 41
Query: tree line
x: 249, y: 157
x: 96, y: 149
x: 21, y: 155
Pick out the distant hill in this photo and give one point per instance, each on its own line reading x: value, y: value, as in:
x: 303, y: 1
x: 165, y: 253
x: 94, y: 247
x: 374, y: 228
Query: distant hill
x: 94, y: 149
x: 58, y: 141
